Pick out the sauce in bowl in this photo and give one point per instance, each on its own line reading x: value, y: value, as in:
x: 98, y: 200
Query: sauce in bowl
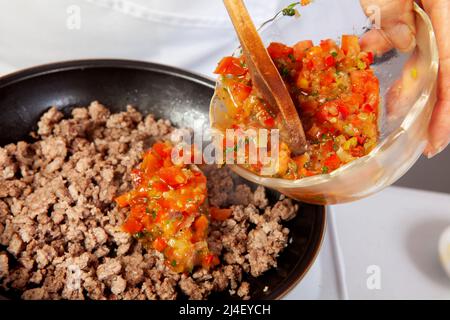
x: 336, y: 94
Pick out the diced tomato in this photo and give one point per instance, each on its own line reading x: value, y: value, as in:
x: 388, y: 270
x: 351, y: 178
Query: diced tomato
x: 278, y: 50
x: 310, y: 64
x: 159, y: 244
x: 132, y: 225
x: 367, y: 108
x: 269, y: 122
x: 361, y: 139
x: 240, y: 91
x: 343, y: 110
x: 300, y: 48
x: 123, y: 200
x: 151, y: 162
x: 327, y: 45
x: 173, y: 176
x: 332, y: 162
x: 220, y: 214
x: 327, y: 79
x: 200, y: 228
x: 357, y: 151
x: 370, y: 58
x: 330, y: 61
x: 209, y: 261
x: 160, y: 186
x: 162, y: 149
x: 350, y: 45
x: 231, y: 66
x: 322, y: 115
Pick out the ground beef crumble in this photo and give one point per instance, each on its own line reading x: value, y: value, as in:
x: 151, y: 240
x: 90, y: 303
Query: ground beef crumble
x: 59, y: 227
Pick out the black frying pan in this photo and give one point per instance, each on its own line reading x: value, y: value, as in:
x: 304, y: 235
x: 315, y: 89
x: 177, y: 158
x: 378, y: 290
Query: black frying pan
x: 166, y: 92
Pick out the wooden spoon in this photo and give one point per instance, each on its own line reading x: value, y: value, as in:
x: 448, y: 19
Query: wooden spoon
x: 265, y: 75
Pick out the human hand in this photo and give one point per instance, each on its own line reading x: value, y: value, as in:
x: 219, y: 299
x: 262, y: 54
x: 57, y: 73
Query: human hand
x: 398, y: 30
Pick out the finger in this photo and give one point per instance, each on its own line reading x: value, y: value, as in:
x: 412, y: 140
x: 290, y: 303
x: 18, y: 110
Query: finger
x: 439, y: 130
x: 403, y: 92
x: 397, y: 23
x: 376, y: 41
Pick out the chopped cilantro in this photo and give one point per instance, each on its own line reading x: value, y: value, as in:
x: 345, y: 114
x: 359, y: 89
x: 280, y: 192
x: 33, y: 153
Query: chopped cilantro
x: 285, y: 72
x: 334, y: 54
x: 324, y: 169
x: 174, y: 263
x: 139, y: 235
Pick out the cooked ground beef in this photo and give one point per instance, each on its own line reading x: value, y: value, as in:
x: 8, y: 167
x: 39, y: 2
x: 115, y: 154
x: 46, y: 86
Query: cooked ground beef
x: 59, y: 225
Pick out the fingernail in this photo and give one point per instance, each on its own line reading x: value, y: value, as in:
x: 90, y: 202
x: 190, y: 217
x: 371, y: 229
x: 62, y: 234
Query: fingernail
x: 436, y: 151
x: 404, y: 37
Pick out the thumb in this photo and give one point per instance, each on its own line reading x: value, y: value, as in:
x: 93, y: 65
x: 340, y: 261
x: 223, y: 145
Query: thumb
x: 397, y: 29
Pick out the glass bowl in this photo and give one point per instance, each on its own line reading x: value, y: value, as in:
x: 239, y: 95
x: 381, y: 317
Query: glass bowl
x: 408, y: 93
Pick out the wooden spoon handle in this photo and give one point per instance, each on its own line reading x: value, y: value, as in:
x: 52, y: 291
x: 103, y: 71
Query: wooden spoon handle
x: 265, y: 75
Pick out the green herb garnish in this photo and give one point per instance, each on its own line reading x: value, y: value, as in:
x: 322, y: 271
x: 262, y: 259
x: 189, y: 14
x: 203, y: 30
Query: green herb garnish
x: 325, y: 169
x: 139, y: 235
x: 285, y: 72
x: 290, y: 10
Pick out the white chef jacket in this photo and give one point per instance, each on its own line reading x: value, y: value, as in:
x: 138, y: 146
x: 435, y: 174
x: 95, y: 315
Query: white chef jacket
x: 191, y: 34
